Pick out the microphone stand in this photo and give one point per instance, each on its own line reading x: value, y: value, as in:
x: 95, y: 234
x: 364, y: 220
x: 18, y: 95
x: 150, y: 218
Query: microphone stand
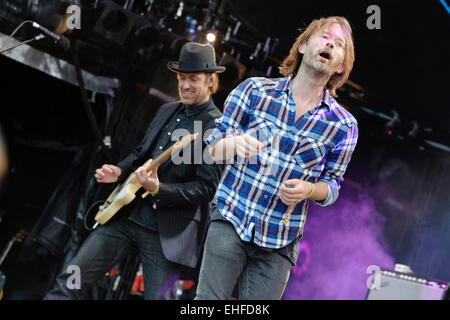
x: 38, y: 37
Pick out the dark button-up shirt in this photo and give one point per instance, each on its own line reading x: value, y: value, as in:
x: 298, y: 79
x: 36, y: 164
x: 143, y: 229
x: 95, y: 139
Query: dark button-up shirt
x: 181, y: 119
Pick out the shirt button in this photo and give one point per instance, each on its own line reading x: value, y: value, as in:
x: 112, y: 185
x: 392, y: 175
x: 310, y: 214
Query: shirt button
x: 160, y: 147
x: 168, y: 133
x: 265, y: 196
x: 178, y: 120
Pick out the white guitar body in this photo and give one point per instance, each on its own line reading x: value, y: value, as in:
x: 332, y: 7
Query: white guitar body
x: 122, y: 195
x: 126, y: 192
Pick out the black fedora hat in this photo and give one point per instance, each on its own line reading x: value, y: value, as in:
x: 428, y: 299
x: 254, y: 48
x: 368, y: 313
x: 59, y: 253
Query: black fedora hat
x: 196, y: 57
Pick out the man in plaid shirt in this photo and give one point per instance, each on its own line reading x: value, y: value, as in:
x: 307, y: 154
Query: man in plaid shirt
x: 286, y: 141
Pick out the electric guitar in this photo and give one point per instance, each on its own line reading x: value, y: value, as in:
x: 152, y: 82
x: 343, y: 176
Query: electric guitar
x: 17, y: 238
x: 125, y: 192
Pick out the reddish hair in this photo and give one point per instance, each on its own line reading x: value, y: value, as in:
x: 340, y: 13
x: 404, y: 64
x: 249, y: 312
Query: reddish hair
x: 215, y: 86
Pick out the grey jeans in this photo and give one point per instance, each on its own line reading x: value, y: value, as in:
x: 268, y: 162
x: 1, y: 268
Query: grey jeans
x: 262, y: 274
x: 108, y: 245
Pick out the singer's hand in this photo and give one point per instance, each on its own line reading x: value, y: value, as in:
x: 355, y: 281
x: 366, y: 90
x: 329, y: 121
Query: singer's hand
x: 148, y: 182
x: 294, y: 191
x: 108, y: 173
x: 246, y: 146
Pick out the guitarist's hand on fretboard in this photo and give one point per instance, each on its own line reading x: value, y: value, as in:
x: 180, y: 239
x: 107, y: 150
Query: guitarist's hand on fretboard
x: 148, y: 182
x: 108, y: 173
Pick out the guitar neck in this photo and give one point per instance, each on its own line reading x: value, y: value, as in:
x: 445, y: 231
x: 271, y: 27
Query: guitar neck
x: 17, y: 238
x: 176, y: 146
x: 6, y: 251
x: 159, y: 159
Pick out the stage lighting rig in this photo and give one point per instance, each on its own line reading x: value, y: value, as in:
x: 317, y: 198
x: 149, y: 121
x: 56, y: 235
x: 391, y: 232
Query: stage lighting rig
x: 50, y: 13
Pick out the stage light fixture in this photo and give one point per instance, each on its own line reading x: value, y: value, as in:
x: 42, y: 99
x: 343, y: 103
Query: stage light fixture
x: 49, y: 13
x: 115, y: 23
x: 211, y: 37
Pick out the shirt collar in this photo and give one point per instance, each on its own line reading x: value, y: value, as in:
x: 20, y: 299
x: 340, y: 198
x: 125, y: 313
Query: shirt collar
x: 327, y: 99
x: 194, y: 110
x: 285, y: 83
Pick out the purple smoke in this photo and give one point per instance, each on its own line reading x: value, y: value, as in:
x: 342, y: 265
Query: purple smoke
x: 339, y: 243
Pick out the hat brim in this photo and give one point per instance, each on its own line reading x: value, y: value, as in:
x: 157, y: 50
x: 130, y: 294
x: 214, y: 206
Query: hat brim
x: 175, y: 67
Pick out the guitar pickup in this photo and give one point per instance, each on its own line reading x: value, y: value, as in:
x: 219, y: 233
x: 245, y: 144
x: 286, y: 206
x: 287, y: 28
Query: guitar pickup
x: 104, y: 206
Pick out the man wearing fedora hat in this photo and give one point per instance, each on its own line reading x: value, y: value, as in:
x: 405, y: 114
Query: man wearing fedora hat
x: 168, y: 228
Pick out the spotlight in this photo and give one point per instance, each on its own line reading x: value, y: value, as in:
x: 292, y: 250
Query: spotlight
x: 114, y: 23
x: 210, y: 37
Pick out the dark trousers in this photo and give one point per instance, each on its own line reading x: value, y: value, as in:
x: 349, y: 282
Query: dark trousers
x: 108, y: 245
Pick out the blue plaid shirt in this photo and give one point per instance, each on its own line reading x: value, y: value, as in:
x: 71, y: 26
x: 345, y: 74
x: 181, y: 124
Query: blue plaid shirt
x: 317, y: 147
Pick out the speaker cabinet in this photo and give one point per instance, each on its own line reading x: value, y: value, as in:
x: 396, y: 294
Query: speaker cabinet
x: 389, y: 285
